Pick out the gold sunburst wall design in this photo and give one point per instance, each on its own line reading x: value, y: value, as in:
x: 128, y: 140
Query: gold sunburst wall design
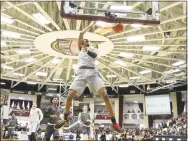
x: 69, y: 46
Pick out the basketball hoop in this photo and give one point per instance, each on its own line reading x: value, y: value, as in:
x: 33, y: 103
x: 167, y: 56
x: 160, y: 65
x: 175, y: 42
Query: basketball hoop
x: 116, y: 28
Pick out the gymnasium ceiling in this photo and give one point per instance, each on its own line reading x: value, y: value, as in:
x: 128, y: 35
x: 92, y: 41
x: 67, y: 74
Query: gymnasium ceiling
x: 114, y: 70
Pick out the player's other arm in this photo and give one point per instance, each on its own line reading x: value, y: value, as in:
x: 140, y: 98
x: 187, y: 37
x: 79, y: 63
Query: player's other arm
x: 92, y: 54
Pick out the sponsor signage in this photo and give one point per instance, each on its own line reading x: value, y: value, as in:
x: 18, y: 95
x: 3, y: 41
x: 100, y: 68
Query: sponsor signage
x: 26, y: 92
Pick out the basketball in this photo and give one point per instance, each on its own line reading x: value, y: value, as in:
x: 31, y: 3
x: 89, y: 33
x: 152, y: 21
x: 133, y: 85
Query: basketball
x: 118, y: 28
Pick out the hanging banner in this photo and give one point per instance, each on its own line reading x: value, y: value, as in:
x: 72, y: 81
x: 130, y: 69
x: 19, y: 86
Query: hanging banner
x: 132, y: 114
x: 101, y: 113
x: 20, y: 107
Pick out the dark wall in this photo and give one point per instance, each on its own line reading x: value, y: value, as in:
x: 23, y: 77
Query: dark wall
x: 180, y: 103
x: 121, y: 98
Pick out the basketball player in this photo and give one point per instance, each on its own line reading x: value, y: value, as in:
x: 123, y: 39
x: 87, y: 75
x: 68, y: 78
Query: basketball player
x: 35, y: 118
x: 87, y: 73
x: 54, y: 113
x: 85, y: 118
x: 92, y: 131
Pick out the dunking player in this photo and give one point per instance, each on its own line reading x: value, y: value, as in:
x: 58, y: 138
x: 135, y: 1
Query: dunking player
x: 35, y: 117
x: 87, y: 73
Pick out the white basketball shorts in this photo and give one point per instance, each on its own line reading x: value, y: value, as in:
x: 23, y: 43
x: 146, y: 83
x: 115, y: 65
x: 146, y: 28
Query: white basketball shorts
x: 34, y: 126
x: 84, y: 77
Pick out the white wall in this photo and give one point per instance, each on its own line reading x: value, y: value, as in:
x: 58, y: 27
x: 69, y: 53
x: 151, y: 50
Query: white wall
x: 5, y: 112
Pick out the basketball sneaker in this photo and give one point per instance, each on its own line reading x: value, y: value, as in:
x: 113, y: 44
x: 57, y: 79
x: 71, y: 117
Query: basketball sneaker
x: 62, y: 122
x: 118, y: 129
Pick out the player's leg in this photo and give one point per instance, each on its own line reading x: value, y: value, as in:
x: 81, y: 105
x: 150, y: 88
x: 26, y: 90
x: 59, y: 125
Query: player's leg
x: 56, y: 135
x: 77, y: 87
x: 30, y: 131
x: 49, y: 132
x: 97, y: 86
x: 103, y: 94
x: 88, y: 132
x: 34, y: 130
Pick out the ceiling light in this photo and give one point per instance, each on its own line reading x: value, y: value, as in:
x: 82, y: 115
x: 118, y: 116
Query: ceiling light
x: 7, y: 67
x: 172, y: 71
x: 176, y: 70
x: 96, y: 62
x: 169, y: 71
x: 178, y: 63
x: 145, y: 71
x: 2, y: 83
x: 19, y: 74
x: 135, y: 38
x: 180, y: 74
x: 23, y: 51
x: 135, y: 101
x: 111, y: 76
x: 183, y: 66
x: 75, y: 66
x: 136, y: 25
x: 7, y: 20
x: 126, y: 54
x: 119, y: 62
x: 124, y: 85
x: 3, y: 43
x: 55, y: 61
x: 52, y: 89
x: 30, y: 60
x: 151, y: 48
x: 170, y: 81
x: 102, y: 24
x: 32, y: 83
x: 124, y: 8
x: 57, y: 79
x: 41, y: 73
x: 10, y: 34
x: 136, y: 77
x: 40, y: 18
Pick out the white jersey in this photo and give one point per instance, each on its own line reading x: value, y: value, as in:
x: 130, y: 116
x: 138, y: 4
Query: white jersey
x: 35, y: 115
x: 85, y: 60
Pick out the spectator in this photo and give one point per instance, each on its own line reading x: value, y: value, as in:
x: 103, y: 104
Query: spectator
x: 12, y: 122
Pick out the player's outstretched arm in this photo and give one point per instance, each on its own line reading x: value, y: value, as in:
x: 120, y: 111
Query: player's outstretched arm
x: 80, y: 39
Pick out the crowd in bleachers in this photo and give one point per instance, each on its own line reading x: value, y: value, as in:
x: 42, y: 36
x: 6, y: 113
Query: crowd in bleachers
x: 173, y: 127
